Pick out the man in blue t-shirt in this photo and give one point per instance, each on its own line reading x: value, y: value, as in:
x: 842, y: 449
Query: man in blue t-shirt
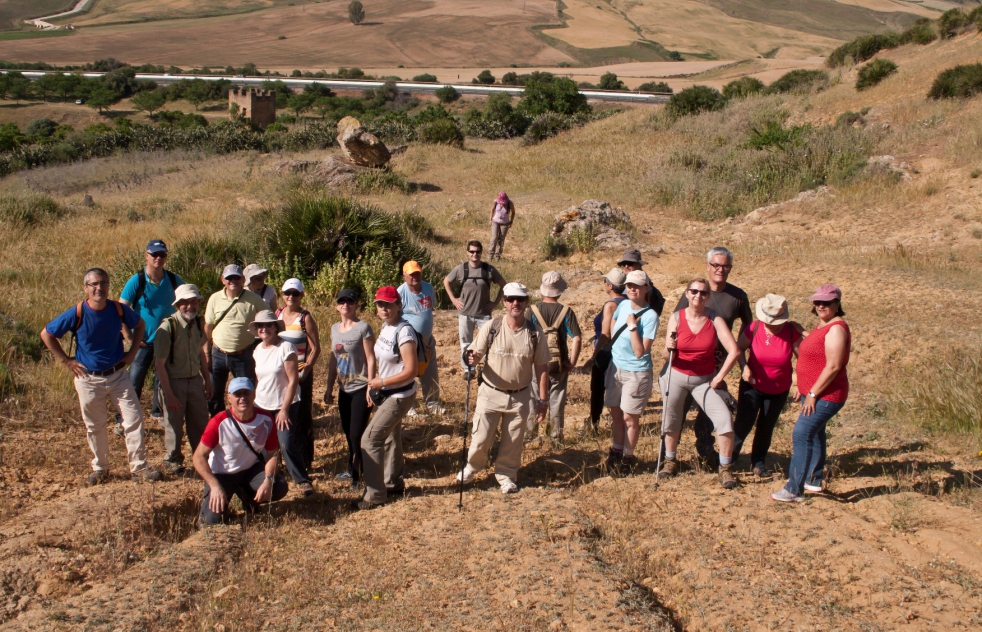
x: 151, y: 293
x: 418, y: 302
x: 99, y: 367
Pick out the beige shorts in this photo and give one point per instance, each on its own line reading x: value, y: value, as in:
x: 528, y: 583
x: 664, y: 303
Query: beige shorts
x: 628, y: 390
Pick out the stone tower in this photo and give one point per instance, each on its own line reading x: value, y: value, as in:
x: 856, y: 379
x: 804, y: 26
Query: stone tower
x: 259, y: 106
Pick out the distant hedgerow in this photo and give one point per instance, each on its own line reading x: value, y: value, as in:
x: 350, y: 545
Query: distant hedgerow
x: 961, y: 81
x: 695, y: 100
x: 875, y: 72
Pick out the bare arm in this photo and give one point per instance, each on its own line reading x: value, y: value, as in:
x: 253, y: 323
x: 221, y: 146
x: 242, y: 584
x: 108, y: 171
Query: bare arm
x: 542, y: 377
x: 313, y: 345
x: 459, y: 304
x: 574, y: 351
x: 217, y: 499
x: 293, y: 377
x: 206, y: 370
x: 54, y: 346
x: 671, y: 330
x: 407, y: 352
x: 170, y: 399
x: 332, y: 376
x: 732, y: 350
x: 744, y: 343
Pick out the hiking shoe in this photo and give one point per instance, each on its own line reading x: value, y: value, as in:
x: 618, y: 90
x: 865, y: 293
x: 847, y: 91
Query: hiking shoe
x: 343, y: 476
x: 784, y: 496
x: 669, y: 467
x: 813, y: 489
x: 307, y: 489
x: 412, y: 413
x: 436, y: 409
x: 613, y: 460
x: 97, y: 477
x: 396, y: 490
x: 148, y: 475
x: 467, y: 475
x: 726, y: 477
x: 118, y: 430
x: 761, y: 471
x: 627, y: 465
x: 508, y: 486
x: 175, y: 469
x: 364, y: 505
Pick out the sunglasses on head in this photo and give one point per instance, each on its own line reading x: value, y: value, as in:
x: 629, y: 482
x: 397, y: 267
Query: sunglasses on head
x: 823, y: 303
x: 158, y: 255
x: 695, y: 292
x: 291, y: 293
x: 515, y: 299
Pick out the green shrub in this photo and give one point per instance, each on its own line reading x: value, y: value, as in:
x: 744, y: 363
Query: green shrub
x: 447, y: 94
x: 773, y: 135
x: 952, y: 23
x: 961, y: 81
x: 849, y: 118
x: 655, y: 86
x: 381, y: 180
x: 426, y: 78
x: 485, y: 77
x: 694, y: 100
x: 862, y: 48
x: 554, y: 247
x: 29, y: 210
x: 743, y: 87
x: 874, y: 72
x: 200, y: 259
x: 20, y: 340
x: 443, y: 131
x: 543, y: 127
x: 609, y: 81
x: 798, y: 81
x: 8, y: 385
x: 41, y: 127
x: 921, y: 32
x: 545, y: 93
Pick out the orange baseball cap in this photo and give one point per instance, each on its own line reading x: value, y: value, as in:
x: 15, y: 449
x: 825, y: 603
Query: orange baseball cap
x: 410, y: 267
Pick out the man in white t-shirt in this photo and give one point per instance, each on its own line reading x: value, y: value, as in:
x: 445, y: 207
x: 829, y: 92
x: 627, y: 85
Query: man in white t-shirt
x: 418, y: 303
x: 238, y: 455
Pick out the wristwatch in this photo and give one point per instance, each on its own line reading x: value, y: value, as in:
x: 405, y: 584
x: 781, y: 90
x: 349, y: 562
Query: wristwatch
x: 543, y: 402
x: 632, y: 327
x: 812, y: 394
x: 270, y: 479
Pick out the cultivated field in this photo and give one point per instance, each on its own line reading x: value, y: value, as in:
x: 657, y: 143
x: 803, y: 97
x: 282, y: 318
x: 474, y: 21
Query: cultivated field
x: 14, y: 12
x: 895, y: 543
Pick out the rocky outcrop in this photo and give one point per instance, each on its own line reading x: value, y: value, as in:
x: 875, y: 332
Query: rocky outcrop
x: 360, y: 146
x: 607, y: 223
x: 331, y: 171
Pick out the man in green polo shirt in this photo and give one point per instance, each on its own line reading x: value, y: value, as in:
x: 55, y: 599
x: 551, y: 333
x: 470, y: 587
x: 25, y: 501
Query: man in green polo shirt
x: 181, y: 361
x: 228, y: 315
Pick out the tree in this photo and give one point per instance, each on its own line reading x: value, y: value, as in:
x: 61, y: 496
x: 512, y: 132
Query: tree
x: 485, y: 77
x: 101, y: 99
x: 609, y: 81
x: 20, y: 88
x: 302, y: 102
x: 10, y: 137
x: 545, y: 93
x: 447, y: 94
x: 197, y: 93
x: 149, y: 101
x: 356, y: 12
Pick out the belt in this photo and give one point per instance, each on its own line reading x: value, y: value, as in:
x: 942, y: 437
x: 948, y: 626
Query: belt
x: 501, y: 390
x: 237, y: 353
x: 118, y: 367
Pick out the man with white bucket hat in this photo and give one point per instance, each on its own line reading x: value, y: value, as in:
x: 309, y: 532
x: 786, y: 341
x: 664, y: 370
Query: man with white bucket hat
x: 182, y: 364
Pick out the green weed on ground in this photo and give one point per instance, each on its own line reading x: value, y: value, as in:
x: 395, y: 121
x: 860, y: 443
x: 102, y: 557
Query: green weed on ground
x: 945, y: 395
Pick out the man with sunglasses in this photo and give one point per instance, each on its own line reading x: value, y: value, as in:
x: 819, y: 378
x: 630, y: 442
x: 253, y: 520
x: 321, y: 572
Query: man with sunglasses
x: 228, y: 315
x: 474, y: 306
x: 515, y: 352
x: 150, y: 293
x: 730, y: 303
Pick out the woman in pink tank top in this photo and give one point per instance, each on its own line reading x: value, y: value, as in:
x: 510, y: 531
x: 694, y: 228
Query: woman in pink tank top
x: 773, y: 340
x: 823, y: 387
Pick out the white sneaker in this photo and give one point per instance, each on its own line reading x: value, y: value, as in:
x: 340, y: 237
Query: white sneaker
x: 509, y: 487
x: 436, y: 409
x: 411, y: 413
x: 467, y: 475
x: 815, y: 489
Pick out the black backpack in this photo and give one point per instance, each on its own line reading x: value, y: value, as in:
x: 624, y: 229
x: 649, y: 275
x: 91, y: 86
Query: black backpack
x: 485, y: 273
x: 141, y: 286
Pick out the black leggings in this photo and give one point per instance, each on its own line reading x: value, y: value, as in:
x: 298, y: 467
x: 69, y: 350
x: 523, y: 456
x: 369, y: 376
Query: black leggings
x: 597, y: 390
x: 354, y: 418
x: 761, y: 409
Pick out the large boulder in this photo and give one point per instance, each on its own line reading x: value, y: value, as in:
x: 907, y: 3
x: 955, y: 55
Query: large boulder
x: 331, y: 171
x: 360, y: 146
x: 604, y: 220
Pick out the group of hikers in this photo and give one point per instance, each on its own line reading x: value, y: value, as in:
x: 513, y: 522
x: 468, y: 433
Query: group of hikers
x: 269, y: 345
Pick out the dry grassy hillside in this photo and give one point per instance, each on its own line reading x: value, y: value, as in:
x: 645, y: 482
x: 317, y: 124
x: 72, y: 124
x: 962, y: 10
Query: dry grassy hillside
x: 895, y: 543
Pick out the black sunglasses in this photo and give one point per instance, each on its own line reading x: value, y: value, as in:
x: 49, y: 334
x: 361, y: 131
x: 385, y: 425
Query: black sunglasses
x: 516, y: 299
x: 291, y: 293
x: 474, y: 252
x: 233, y: 277
x: 158, y: 255
x: 265, y: 325
x: 345, y: 301
x: 823, y: 303
x: 695, y: 292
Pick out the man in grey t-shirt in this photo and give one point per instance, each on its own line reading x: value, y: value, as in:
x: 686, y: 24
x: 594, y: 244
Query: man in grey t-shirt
x: 474, y: 306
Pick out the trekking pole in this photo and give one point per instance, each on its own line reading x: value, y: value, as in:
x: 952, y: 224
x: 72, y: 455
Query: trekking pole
x: 664, y: 404
x: 468, y: 375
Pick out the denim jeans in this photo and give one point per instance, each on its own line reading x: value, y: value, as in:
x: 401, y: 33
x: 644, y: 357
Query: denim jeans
x: 238, y: 365
x: 467, y: 327
x: 293, y: 443
x: 762, y: 410
x: 138, y: 374
x: 305, y: 414
x: 808, y: 441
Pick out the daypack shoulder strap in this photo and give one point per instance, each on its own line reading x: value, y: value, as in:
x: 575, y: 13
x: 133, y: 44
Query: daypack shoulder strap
x: 618, y: 333
x: 242, y: 433
x: 173, y: 279
x: 228, y: 309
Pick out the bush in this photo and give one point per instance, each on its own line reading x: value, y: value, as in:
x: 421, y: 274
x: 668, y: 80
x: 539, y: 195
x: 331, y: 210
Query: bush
x: 447, y: 94
x: 961, y: 81
x: 695, y: 100
x: 543, y: 127
x: 655, y: 86
x: 200, y: 259
x: 849, y: 118
x: 356, y: 12
x: 922, y: 32
x: 442, y: 132
x: 545, y: 93
x: 862, y: 48
x: 743, y: 87
x: 798, y: 81
x: 41, y: 127
x: 874, y: 72
x: 609, y: 81
x: 426, y: 78
x: 773, y: 135
x: 485, y: 77
x: 380, y: 181
x: 510, y: 79
x: 952, y: 23
x: 29, y: 210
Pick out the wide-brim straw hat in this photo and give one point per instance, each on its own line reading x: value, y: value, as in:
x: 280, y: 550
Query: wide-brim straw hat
x: 772, y: 310
x: 266, y: 316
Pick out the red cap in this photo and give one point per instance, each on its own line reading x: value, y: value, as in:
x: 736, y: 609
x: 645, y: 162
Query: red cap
x: 827, y: 292
x: 387, y: 294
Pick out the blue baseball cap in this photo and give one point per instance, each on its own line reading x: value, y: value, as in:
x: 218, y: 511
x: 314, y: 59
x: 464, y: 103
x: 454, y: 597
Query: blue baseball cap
x: 156, y: 245
x: 240, y: 384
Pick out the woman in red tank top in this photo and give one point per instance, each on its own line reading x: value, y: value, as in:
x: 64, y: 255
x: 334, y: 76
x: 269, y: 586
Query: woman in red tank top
x: 823, y: 386
x: 691, y: 344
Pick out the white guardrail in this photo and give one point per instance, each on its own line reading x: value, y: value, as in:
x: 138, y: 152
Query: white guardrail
x: 407, y: 86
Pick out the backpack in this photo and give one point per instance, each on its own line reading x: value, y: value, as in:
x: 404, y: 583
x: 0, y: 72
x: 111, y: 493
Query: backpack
x: 555, y: 338
x: 303, y: 317
x: 493, y: 333
x: 422, y: 350
x: 173, y: 330
x: 485, y: 273
x: 79, y: 314
x: 141, y: 286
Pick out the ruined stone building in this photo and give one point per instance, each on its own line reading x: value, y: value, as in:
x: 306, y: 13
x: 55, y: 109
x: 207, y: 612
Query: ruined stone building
x: 259, y: 106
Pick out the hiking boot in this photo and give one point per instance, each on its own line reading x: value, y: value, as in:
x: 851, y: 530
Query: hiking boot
x: 364, y: 505
x: 97, y: 477
x: 627, y: 465
x: 761, y: 471
x: 613, y: 460
x: 467, y: 475
x: 343, y: 476
x: 118, y: 430
x: 813, y: 489
x: 174, y: 469
x: 508, y: 486
x: 147, y: 475
x: 307, y: 489
x: 784, y: 496
x: 726, y: 477
x: 412, y: 413
x: 669, y: 467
